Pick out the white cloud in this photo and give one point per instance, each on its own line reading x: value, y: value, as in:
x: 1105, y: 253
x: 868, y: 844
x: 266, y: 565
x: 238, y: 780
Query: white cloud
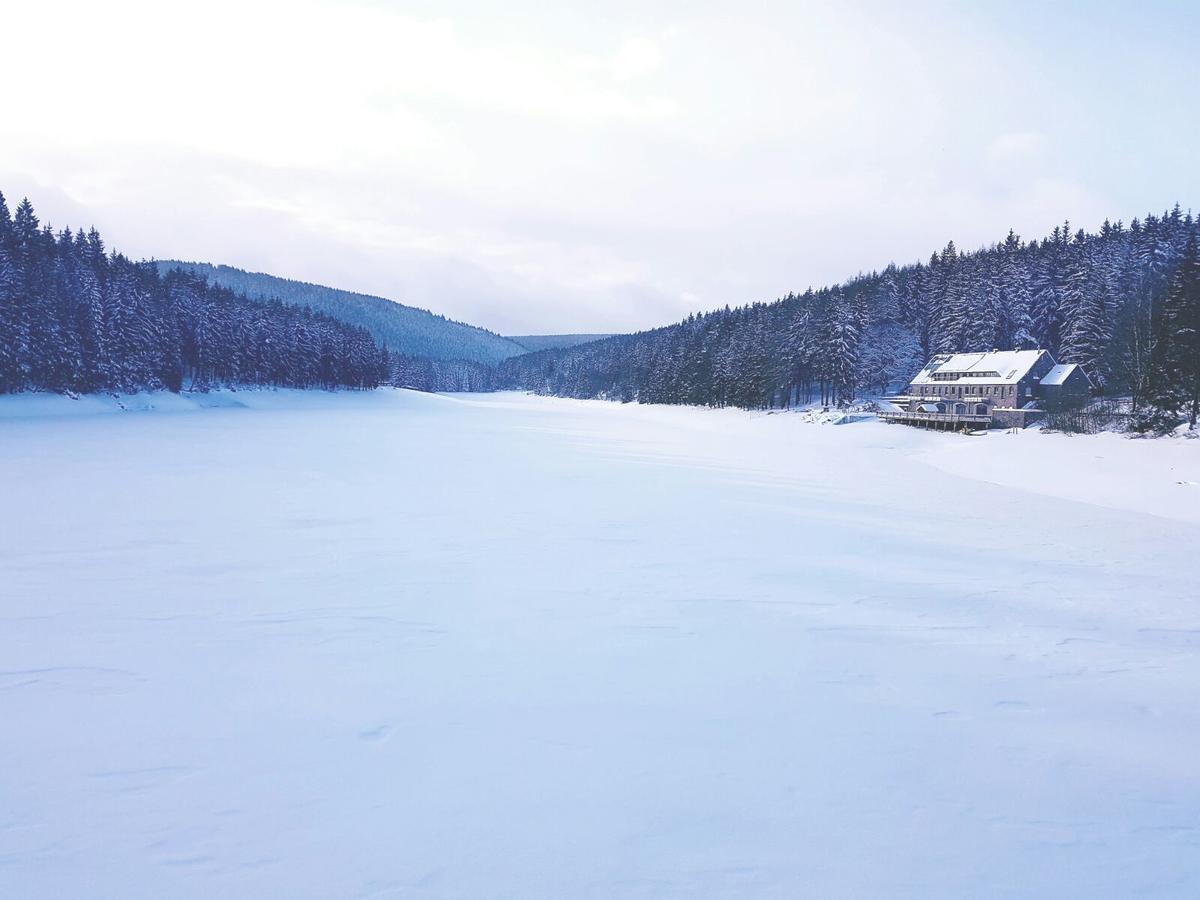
x: 541, y: 169
x: 1017, y: 145
x: 637, y: 58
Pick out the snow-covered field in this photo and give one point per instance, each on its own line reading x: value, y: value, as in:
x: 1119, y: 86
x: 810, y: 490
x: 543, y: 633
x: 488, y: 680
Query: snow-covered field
x: 395, y: 645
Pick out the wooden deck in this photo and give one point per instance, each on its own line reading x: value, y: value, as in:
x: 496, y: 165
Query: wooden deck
x: 941, y: 421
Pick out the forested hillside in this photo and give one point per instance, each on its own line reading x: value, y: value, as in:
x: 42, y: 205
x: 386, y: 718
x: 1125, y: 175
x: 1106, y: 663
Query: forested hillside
x: 75, y: 318
x: 1124, y: 302
x: 1118, y: 301
x: 403, y: 329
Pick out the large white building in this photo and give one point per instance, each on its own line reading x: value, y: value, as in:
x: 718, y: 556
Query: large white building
x: 1001, y: 387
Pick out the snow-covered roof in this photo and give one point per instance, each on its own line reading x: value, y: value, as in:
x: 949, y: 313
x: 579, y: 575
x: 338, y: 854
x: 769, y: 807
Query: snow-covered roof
x: 1059, y: 374
x: 1004, y: 366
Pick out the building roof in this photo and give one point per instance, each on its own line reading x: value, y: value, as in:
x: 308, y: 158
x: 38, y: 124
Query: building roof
x: 996, y: 366
x: 1059, y: 374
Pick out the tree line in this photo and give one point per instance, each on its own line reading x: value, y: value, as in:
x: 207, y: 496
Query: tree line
x: 75, y: 318
x: 1122, y: 302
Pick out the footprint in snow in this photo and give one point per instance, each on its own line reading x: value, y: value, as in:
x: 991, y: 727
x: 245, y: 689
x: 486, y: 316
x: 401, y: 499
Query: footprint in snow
x: 1011, y: 704
x: 71, y: 679
x: 377, y: 734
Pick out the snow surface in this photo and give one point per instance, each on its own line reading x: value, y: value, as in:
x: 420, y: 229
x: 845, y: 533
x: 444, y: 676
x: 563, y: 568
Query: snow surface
x: 401, y: 645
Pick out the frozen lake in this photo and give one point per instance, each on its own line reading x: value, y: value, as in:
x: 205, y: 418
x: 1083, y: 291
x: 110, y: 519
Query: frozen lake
x: 400, y: 645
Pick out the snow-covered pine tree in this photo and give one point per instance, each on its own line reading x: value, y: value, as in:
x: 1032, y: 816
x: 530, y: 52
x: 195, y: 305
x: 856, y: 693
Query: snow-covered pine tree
x: 1047, y: 285
x: 843, y: 351
x: 985, y: 327
x: 1180, y: 356
x: 1015, y: 330
x: 946, y: 301
x: 11, y: 329
x: 1086, y: 310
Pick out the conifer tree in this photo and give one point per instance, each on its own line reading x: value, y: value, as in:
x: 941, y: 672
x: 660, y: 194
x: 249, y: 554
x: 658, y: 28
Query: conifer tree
x: 74, y: 319
x: 1180, y: 355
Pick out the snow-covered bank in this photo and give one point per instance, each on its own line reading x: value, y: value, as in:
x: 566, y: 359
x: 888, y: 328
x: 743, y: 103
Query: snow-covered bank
x: 393, y: 644
x: 52, y: 406
x: 1155, y: 476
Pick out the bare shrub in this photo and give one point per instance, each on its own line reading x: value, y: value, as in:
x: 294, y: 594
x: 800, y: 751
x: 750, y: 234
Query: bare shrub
x: 1092, y: 417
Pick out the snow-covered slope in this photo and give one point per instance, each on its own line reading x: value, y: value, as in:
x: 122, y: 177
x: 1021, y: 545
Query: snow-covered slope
x: 400, y: 645
x: 405, y: 329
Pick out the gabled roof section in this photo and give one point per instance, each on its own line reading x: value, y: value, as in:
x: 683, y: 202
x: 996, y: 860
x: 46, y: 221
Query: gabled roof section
x: 1059, y: 374
x: 996, y: 366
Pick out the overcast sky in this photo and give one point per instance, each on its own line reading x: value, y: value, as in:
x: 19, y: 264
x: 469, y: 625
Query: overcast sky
x: 611, y: 167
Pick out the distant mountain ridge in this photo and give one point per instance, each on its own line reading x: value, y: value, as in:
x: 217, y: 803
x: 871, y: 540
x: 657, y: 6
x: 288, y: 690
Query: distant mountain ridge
x: 535, y: 342
x: 404, y: 329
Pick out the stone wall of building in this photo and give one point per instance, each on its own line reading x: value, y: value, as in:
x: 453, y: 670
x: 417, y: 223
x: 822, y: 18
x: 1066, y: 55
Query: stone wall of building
x: 1015, y: 418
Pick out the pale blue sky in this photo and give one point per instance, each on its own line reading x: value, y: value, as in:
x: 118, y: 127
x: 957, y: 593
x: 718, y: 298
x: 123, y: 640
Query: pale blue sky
x: 601, y: 167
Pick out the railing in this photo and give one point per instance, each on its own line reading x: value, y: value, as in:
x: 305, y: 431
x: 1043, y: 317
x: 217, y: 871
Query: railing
x: 942, y: 398
x: 973, y: 418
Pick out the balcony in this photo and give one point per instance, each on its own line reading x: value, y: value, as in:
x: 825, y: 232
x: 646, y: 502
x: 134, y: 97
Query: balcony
x: 946, y: 420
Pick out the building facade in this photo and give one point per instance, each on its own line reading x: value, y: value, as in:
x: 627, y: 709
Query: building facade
x: 1001, y: 388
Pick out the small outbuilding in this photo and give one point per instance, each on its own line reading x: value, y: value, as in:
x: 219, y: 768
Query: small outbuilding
x: 1064, y: 386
